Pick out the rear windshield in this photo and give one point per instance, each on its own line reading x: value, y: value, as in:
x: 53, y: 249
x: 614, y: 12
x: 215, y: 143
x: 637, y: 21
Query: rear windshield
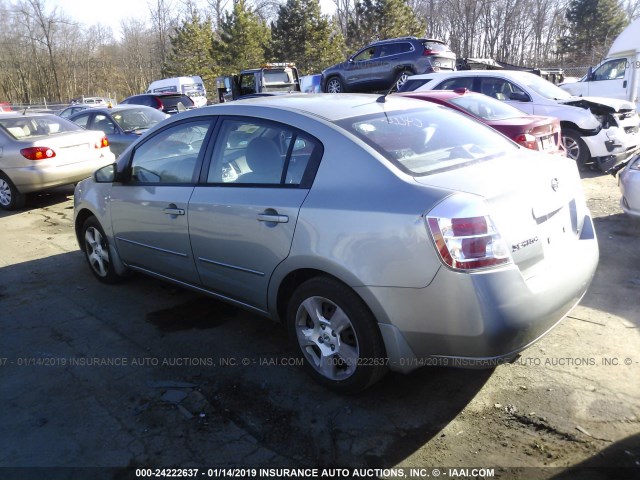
x: 172, y: 101
x: 486, y: 107
x: 435, y: 47
x: 428, y: 140
x: 30, y: 127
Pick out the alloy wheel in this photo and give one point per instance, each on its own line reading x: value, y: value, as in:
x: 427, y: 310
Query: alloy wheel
x: 97, y: 251
x: 327, y: 338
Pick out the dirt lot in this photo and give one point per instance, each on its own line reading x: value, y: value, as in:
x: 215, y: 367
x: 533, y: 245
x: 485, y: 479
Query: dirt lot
x: 148, y: 375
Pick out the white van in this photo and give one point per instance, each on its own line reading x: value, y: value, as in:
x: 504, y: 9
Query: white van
x: 618, y: 76
x: 191, y: 86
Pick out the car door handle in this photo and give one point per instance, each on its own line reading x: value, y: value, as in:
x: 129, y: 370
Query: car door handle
x: 173, y: 211
x: 265, y: 217
x: 624, y: 84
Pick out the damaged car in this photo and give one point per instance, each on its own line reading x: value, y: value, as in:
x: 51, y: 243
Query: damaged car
x: 598, y: 132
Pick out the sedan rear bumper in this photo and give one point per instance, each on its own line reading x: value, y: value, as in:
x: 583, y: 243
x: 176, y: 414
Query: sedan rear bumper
x: 490, y: 316
x: 38, y: 177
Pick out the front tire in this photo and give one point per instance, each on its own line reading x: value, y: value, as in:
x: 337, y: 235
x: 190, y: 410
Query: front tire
x: 334, y: 85
x: 337, y: 335
x: 96, y: 251
x: 10, y: 197
x: 402, y: 79
x: 576, y: 148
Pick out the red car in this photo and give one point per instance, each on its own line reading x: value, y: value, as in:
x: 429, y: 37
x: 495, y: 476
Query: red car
x: 530, y: 131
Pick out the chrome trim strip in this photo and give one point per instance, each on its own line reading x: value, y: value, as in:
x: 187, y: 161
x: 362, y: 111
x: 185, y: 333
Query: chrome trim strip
x: 184, y: 255
x: 233, y: 267
x: 203, y: 290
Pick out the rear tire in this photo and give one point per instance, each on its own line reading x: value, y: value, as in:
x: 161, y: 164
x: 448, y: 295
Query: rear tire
x: 334, y: 85
x: 96, y: 251
x: 576, y: 148
x: 10, y: 197
x: 336, y: 335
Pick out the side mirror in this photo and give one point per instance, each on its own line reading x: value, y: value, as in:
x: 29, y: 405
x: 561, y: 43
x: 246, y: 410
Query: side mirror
x: 519, y: 97
x: 106, y: 174
x: 590, y: 74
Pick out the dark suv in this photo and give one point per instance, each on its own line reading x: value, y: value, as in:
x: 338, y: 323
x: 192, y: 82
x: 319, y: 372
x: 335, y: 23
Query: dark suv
x: 380, y: 64
x: 167, y: 102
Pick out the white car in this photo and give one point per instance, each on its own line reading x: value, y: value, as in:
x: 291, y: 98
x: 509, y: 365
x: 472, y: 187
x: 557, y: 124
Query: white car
x: 601, y: 131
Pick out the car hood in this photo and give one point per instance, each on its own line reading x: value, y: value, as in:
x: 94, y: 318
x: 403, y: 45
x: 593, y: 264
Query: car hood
x: 609, y: 105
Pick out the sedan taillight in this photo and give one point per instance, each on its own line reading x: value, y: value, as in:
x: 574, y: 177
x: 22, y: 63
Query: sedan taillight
x: 527, y: 140
x: 104, y: 142
x: 37, y: 153
x: 468, y: 243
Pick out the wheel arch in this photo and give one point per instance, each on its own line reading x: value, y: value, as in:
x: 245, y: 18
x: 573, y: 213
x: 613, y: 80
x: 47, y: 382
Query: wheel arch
x: 284, y: 284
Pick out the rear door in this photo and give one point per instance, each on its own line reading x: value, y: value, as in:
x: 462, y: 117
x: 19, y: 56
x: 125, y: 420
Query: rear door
x: 149, y: 210
x: 243, y: 215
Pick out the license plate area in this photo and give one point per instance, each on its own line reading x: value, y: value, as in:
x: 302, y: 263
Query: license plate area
x: 547, y: 142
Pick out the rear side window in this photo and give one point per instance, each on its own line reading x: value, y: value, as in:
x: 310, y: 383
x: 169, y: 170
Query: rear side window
x: 262, y: 153
x: 395, y: 48
x: 171, y: 101
x: 428, y: 140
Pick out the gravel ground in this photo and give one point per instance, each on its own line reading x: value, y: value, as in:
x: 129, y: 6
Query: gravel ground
x: 147, y: 375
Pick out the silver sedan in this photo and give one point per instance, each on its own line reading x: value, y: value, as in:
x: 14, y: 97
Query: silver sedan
x: 44, y: 151
x: 629, y: 182
x: 386, y: 233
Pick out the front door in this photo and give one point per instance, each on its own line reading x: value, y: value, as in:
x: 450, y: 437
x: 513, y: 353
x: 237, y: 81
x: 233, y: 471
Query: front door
x: 150, y: 209
x: 609, y: 80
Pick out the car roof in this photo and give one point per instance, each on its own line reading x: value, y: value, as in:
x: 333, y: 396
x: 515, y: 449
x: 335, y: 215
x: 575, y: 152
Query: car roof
x: 19, y: 114
x: 439, y: 94
x: 329, y: 106
x: 514, y: 74
x: 120, y: 108
x: 399, y: 39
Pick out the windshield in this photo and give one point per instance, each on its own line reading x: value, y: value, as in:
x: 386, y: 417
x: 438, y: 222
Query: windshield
x: 544, y: 88
x: 486, y: 107
x: 428, y: 140
x: 138, y: 118
x: 29, y: 127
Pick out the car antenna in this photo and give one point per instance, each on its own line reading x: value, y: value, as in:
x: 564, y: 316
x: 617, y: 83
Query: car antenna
x: 383, y: 98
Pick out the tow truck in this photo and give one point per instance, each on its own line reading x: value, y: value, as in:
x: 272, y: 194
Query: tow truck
x: 270, y: 77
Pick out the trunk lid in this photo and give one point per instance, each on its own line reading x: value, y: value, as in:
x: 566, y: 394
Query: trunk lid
x: 535, y: 201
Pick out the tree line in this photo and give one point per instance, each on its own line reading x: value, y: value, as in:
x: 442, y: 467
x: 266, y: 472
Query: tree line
x: 44, y: 54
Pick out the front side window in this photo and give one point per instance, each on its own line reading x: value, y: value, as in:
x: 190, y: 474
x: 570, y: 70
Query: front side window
x: 82, y: 120
x: 260, y: 153
x: 170, y: 156
x: 457, y: 82
x: 104, y: 124
x: 613, y: 70
x: 429, y: 139
x: 366, y: 54
x: 498, y: 88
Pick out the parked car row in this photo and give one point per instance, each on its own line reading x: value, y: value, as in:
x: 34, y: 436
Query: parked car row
x: 598, y: 131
